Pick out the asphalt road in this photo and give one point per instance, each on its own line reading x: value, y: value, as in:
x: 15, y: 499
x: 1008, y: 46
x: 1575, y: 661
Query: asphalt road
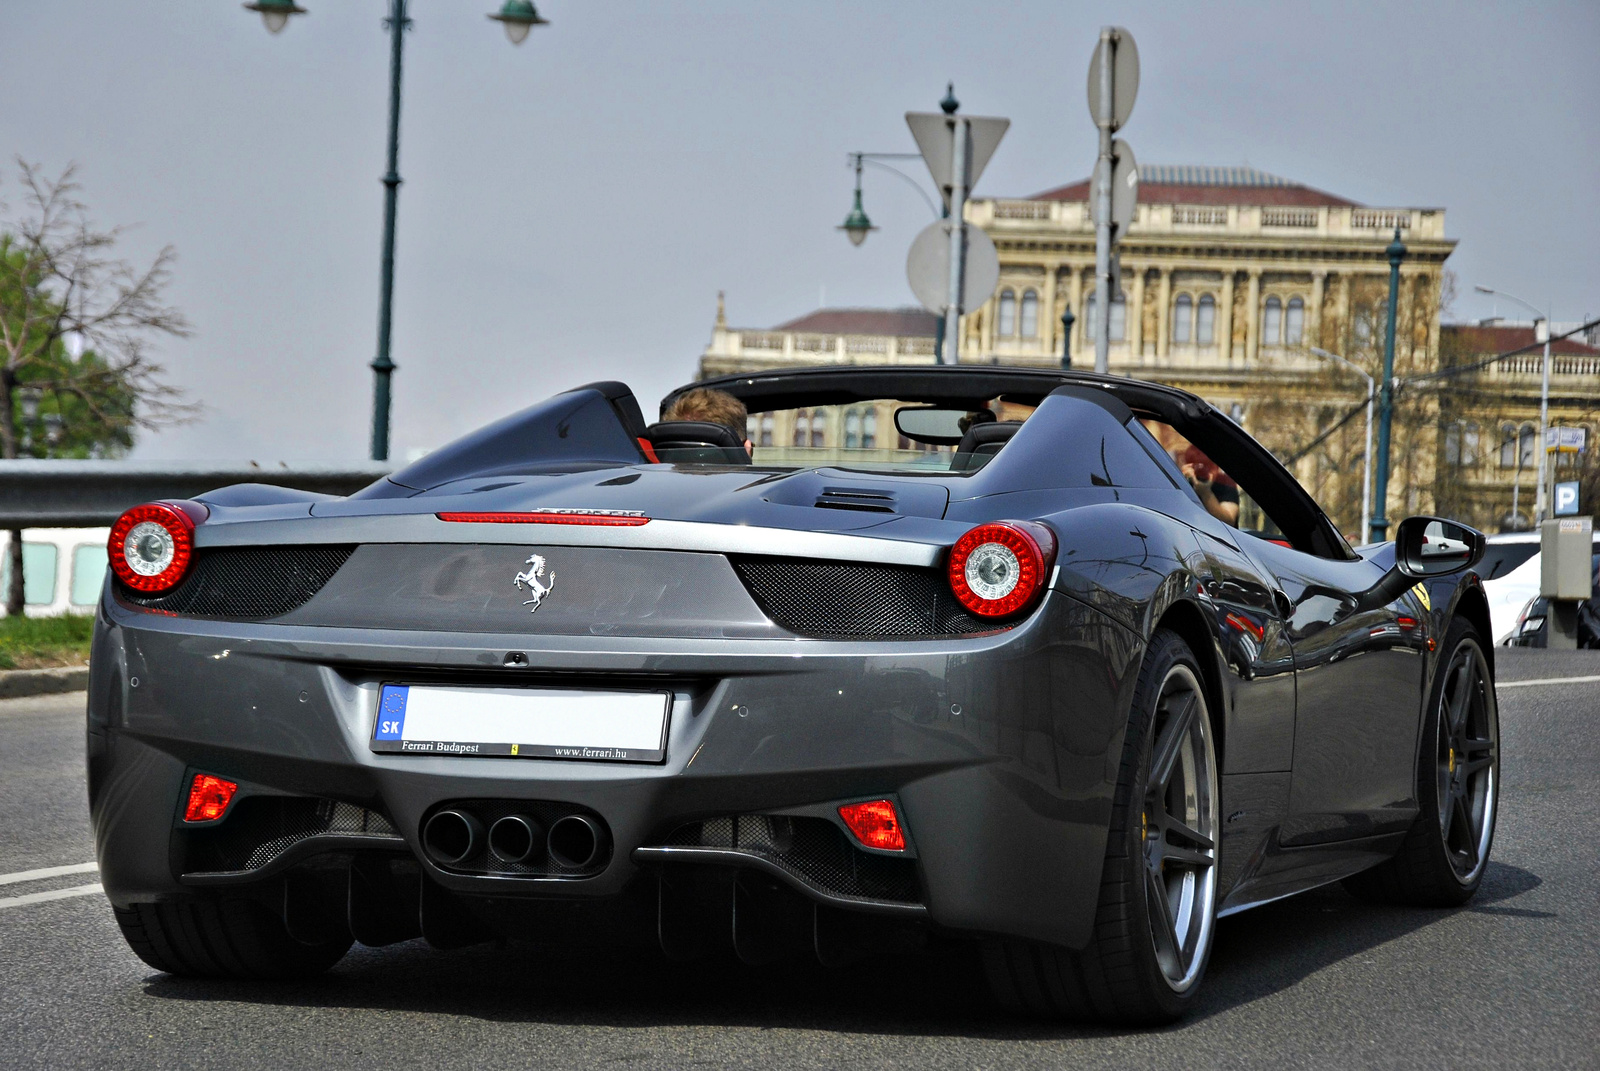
x: 1322, y: 980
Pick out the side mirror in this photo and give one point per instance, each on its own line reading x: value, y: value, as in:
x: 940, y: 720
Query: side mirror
x: 1424, y: 547
x: 1432, y: 546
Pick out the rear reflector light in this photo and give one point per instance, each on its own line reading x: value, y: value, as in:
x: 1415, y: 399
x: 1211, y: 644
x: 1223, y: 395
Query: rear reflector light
x: 875, y: 824
x: 605, y: 518
x: 1001, y: 569
x: 208, y: 798
x: 151, y: 546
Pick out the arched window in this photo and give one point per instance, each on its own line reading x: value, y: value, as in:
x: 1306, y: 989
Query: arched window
x: 852, y: 430
x: 1272, y: 323
x: 1008, y: 315
x: 818, y: 422
x: 1294, y: 325
x: 802, y: 428
x: 869, y: 430
x: 1205, y: 320
x: 1526, y: 457
x: 1182, y: 318
x: 1030, y: 314
x: 1469, y: 444
x: 1508, y: 446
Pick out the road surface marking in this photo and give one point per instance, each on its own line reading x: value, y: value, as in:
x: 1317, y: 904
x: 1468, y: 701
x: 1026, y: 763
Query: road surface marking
x: 48, y: 872
x: 1546, y: 680
x: 54, y: 894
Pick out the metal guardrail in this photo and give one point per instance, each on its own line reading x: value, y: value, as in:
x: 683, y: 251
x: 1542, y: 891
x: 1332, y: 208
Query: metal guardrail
x: 74, y: 494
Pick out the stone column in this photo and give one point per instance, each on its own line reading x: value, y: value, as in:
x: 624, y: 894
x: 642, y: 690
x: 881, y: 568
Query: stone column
x: 1075, y: 299
x: 1047, y: 309
x: 1343, y: 302
x: 1252, y: 324
x: 989, y: 308
x: 1135, y: 319
x: 1224, y: 326
x: 1313, y: 335
x: 1164, y: 314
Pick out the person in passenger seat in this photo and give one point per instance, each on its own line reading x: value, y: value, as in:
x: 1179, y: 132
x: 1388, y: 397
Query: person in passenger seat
x: 713, y: 407
x: 1219, y: 494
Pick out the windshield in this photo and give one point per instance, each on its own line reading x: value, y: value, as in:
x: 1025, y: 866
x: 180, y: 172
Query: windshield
x: 867, y: 435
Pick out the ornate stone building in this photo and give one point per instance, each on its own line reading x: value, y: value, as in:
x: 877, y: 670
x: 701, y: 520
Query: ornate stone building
x: 1229, y: 278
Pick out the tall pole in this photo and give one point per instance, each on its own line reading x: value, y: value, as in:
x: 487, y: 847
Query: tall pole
x: 958, y: 239
x: 1102, y: 194
x: 1540, y: 502
x: 382, y: 366
x: 1380, y: 494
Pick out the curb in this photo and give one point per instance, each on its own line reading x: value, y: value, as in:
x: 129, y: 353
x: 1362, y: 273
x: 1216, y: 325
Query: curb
x: 18, y: 683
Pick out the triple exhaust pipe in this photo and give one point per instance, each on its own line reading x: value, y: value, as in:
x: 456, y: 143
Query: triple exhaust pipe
x: 573, y: 842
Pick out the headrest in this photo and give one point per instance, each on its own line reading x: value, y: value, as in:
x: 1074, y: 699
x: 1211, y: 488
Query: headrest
x: 696, y: 441
x: 988, y: 437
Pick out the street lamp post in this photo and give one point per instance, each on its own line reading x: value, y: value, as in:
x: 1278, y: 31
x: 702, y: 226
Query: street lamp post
x: 1544, y: 397
x: 1378, y: 529
x: 1366, y: 457
x: 1067, y: 320
x: 857, y: 225
x: 518, y: 17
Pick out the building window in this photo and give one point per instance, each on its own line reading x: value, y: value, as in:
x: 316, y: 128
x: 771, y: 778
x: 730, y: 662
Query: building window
x: 1030, y: 314
x: 1529, y: 438
x: 766, y: 430
x: 1508, y: 446
x: 1119, y: 318
x: 1205, y: 320
x: 869, y: 430
x: 1008, y: 314
x: 1182, y: 318
x: 1461, y: 444
x: 802, y: 428
x: 1294, y: 324
x: 1272, y: 323
x: 852, y: 430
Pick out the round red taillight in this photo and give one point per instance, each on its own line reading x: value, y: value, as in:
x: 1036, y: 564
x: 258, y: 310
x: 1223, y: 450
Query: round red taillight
x: 1001, y: 569
x: 152, y: 545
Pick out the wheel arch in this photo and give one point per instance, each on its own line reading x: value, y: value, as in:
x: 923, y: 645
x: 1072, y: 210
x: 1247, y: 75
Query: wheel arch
x: 1189, y: 622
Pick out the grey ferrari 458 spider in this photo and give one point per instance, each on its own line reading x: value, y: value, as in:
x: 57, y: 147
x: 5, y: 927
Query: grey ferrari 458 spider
x: 1062, y: 666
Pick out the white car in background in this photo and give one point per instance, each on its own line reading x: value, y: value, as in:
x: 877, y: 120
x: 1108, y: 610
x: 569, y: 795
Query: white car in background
x: 1510, y: 572
x: 63, y: 569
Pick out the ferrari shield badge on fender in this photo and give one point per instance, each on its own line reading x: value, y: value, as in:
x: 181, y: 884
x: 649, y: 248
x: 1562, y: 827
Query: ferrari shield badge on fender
x: 537, y: 583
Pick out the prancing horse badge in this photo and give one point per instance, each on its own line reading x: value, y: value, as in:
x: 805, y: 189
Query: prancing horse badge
x: 538, y: 585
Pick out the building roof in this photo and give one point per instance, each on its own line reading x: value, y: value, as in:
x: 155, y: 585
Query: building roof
x: 1503, y: 338
x: 902, y: 322
x: 1194, y: 185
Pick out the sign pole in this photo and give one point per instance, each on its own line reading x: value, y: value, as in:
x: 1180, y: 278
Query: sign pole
x: 1542, y: 504
x: 958, y: 254
x: 1102, y: 194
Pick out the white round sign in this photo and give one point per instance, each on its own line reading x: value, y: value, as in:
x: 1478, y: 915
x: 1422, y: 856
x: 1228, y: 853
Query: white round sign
x: 928, y: 267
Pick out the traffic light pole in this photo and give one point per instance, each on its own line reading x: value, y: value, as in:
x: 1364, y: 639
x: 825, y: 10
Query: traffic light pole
x: 1106, y: 123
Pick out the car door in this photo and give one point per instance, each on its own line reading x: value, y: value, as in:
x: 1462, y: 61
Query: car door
x: 1358, y: 676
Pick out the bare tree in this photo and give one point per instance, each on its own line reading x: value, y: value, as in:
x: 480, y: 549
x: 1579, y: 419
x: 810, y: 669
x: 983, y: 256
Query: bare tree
x: 76, y: 325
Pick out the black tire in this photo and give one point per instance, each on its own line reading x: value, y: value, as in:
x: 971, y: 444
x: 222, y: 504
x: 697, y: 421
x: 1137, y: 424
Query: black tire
x: 1458, y: 787
x: 236, y: 939
x: 1121, y: 977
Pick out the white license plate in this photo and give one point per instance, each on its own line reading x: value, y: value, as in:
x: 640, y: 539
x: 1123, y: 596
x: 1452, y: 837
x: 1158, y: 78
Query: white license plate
x: 538, y: 723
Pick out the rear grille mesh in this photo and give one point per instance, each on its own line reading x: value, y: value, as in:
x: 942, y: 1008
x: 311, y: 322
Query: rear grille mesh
x: 813, y: 849
x: 248, y: 582
x: 856, y: 600
x: 261, y: 828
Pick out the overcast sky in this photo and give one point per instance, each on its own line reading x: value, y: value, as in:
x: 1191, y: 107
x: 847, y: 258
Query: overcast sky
x: 571, y: 207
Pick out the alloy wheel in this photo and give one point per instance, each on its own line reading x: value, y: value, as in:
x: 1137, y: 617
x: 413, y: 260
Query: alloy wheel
x: 1466, y: 754
x: 1179, y: 830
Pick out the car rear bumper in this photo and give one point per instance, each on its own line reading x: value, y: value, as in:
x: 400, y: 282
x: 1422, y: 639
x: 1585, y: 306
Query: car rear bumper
x: 1001, y: 751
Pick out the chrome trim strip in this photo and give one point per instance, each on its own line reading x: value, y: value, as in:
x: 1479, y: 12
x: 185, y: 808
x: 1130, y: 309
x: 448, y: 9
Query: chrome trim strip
x: 657, y: 535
